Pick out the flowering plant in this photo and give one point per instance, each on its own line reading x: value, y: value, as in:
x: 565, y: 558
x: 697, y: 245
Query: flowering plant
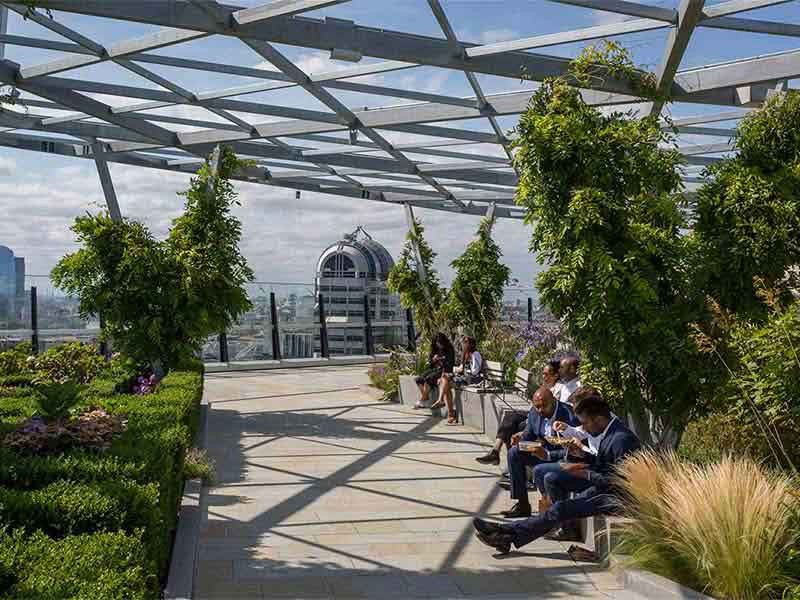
x: 144, y: 384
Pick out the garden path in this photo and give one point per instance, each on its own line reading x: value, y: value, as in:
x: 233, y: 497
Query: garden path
x: 325, y: 491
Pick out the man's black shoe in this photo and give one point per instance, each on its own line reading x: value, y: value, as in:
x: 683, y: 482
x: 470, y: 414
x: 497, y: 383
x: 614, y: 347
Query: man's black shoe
x: 564, y: 535
x: 489, y: 527
x: 518, y: 511
x: 499, y: 541
x: 492, y: 458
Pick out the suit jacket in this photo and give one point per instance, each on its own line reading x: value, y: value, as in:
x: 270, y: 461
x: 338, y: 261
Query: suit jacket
x: 535, y: 428
x: 614, y: 448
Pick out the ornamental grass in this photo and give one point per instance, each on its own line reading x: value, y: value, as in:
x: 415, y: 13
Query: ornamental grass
x: 723, y: 529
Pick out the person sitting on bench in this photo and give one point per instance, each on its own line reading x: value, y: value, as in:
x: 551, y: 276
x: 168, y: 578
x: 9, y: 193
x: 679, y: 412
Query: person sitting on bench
x: 593, y: 480
x: 545, y: 411
x: 441, y: 360
x: 568, y: 380
x: 514, y: 420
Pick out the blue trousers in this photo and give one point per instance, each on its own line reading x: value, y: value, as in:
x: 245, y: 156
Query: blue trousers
x: 587, y: 503
x: 559, y: 484
x: 517, y: 462
x: 541, y: 470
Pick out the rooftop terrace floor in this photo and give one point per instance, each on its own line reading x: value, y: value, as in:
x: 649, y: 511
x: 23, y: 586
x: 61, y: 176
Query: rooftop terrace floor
x: 326, y: 491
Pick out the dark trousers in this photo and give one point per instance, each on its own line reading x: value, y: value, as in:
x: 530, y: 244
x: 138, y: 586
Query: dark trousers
x: 541, y: 470
x: 589, y: 502
x: 517, y: 462
x: 511, y: 424
x: 559, y: 484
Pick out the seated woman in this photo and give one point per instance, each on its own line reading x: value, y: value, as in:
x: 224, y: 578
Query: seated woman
x: 441, y: 360
x: 469, y: 372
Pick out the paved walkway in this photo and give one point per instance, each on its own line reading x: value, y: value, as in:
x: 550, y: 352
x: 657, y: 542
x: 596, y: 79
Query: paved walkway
x: 325, y: 491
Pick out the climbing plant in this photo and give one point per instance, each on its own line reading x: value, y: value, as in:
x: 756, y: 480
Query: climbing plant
x: 476, y: 296
x: 748, y: 211
x: 162, y: 299
x: 602, y: 193
x: 425, y: 299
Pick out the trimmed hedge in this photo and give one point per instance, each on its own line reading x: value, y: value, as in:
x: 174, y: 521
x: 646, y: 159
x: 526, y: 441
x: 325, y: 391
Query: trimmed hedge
x: 132, y: 490
x: 101, y: 566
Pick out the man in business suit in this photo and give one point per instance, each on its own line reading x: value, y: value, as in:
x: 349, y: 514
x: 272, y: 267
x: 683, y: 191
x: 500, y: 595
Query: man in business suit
x: 545, y: 410
x: 593, y: 480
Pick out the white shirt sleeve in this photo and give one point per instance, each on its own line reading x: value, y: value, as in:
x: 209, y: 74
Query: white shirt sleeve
x: 476, y: 364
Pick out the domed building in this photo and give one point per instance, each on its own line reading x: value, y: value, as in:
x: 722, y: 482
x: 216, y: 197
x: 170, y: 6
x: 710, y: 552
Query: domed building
x: 354, y: 267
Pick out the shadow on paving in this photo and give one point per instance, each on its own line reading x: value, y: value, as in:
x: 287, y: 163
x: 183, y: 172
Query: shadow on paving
x: 325, y: 566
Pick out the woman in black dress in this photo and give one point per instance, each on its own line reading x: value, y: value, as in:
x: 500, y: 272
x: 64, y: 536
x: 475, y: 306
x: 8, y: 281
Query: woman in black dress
x: 441, y: 360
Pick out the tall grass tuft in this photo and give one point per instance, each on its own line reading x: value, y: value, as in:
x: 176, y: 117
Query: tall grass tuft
x: 723, y: 529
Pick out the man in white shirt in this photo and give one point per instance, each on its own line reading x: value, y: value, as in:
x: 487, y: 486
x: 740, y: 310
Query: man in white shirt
x: 568, y: 378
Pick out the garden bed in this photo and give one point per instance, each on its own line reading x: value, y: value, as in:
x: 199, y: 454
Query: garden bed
x: 91, y: 523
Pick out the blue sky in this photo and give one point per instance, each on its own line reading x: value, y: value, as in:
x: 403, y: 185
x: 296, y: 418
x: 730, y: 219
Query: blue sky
x: 40, y: 195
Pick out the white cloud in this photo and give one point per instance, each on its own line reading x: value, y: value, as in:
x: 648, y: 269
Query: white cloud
x: 282, y: 236
x: 493, y: 36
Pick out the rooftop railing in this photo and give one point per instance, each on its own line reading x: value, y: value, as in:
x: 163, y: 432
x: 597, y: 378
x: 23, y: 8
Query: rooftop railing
x: 288, y: 322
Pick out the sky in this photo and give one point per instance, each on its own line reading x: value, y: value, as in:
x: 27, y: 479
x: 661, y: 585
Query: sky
x: 40, y: 195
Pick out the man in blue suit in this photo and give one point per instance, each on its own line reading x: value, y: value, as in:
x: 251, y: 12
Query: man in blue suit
x: 545, y: 410
x: 593, y: 480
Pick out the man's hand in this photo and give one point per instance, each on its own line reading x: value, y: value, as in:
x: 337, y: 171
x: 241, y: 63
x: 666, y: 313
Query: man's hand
x: 540, y: 453
x: 516, y: 438
x: 560, y: 426
x: 577, y: 469
x: 575, y: 448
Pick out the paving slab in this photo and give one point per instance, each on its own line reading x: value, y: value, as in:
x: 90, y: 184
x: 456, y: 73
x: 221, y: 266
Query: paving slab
x: 325, y: 491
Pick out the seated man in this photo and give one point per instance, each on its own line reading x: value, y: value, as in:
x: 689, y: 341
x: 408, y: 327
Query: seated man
x: 568, y: 380
x: 594, y: 480
x: 545, y: 411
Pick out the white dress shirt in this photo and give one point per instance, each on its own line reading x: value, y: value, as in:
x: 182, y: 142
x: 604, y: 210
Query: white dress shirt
x: 567, y: 388
x: 594, y: 441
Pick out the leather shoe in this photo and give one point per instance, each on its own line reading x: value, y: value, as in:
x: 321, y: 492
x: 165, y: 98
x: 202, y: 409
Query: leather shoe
x: 489, y: 527
x: 499, y: 541
x: 492, y: 458
x: 518, y: 511
x: 505, y: 484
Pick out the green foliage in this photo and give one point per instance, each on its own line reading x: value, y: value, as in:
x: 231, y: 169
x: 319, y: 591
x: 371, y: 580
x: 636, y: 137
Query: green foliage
x: 199, y: 465
x: 602, y: 194
x: 101, y: 566
x: 161, y: 300
x: 54, y: 400
x: 386, y: 377
x: 69, y: 362
x: 757, y: 410
x: 611, y: 61
x: 404, y: 280
x: 13, y: 362
x: 67, y: 508
x: 503, y: 344
x: 748, y: 211
x: 135, y: 485
x: 476, y: 296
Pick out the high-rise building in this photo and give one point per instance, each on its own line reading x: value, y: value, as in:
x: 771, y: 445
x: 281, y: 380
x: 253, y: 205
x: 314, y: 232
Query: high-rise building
x: 354, y: 267
x: 8, y: 284
x: 19, y: 266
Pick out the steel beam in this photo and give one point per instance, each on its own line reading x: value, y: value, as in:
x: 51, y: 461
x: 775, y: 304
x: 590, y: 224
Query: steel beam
x: 106, y: 182
x: 689, y: 12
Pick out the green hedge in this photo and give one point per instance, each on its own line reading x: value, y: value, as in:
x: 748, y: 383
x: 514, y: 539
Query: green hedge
x: 133, y: 489
x: 100, y: 566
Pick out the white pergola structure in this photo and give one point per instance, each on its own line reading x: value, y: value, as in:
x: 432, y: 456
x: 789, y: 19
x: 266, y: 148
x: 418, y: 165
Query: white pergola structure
x: 344, y: 150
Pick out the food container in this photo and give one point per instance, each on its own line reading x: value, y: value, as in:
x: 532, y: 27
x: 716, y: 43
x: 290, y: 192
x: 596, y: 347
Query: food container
x: 529, y: 446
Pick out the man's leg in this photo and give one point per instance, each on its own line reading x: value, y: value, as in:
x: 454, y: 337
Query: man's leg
x: 540, y: 471
x: 509, y: 426
x: 517, y: 463
x: 589, y: 503
x: 558, y: 484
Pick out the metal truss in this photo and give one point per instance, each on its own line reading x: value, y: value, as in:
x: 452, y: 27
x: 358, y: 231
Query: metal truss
x: 459, y: 160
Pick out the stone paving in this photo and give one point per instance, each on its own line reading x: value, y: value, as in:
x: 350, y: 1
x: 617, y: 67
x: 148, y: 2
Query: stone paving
x: 325, y: 491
